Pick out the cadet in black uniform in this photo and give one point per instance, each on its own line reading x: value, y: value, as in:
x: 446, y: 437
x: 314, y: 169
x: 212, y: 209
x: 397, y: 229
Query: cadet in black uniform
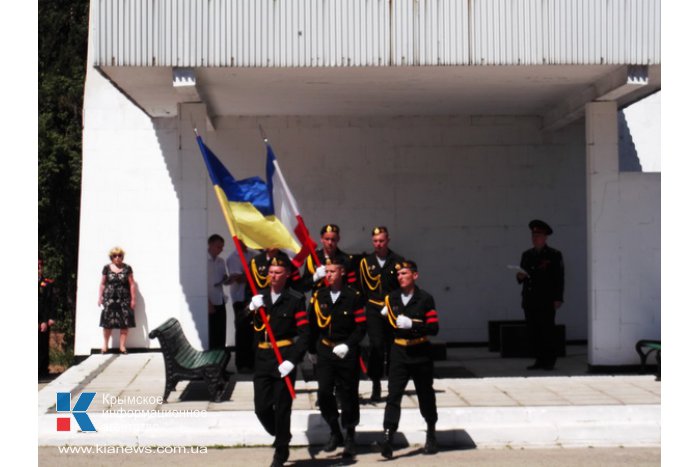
x: 337, y: 323
x: 378, y: 278
x: 286, y: 311
x: 258, y: 269
x: 313, y: 276
x: 542, y: 295
x: 411, y: 313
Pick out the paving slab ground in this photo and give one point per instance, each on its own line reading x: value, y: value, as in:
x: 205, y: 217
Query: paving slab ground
x: 304, y: 457
x: 565, y: 407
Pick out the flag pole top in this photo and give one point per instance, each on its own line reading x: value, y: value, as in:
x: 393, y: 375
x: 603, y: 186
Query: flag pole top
x: 262, y: 133
x: 196, y: 133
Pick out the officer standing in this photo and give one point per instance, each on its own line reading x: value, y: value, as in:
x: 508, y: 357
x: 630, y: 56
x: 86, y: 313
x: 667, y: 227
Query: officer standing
x: 313, y: 276
x: 411, y: 313
x: 286, y: 312
x: 378, y: 278
x: 337, y: 324
x: 542, y: 294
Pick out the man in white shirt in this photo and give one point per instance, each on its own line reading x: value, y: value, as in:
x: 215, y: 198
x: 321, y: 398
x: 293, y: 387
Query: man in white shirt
x: 216, y: 277
x: 245, y: 351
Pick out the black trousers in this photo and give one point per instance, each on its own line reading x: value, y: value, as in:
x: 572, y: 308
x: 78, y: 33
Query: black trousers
x: 245, y: 350
x: 343, y: 376
x: 273, y: 403
x: 217, y: 327
x: 380, y: 339
x: 412, y: 362
x: 539, y: 321
x: 44, y: 352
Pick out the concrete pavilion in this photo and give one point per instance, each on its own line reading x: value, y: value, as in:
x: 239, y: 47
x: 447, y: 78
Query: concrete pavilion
x: 452, y: 122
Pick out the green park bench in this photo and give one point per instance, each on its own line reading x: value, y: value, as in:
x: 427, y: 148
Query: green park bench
x: 645, y: 347
x: 184, y: 362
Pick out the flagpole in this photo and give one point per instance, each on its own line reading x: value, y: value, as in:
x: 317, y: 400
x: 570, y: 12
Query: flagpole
x: 285, y: 187
x: 300, y: 220
x: 232, y: 230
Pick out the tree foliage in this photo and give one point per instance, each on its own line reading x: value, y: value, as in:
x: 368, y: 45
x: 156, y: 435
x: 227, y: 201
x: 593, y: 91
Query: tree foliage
x: 63, y: 26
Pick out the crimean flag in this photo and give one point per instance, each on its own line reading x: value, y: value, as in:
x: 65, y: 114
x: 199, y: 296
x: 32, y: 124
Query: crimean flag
x: 250, y: 206
x: 285, y: 208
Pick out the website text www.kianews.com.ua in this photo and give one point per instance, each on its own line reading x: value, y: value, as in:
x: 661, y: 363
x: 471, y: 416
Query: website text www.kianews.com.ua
x: 96, y: 449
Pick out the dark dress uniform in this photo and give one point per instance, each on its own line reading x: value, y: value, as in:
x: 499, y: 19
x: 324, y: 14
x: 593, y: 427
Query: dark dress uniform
x: 288, y: 320
x: 258, y: 269
x: 376, y: 282
x: 331, y: 324
x: 348, y: 264
x: 543, y: 287
x: 410, y: 357
x: 47, y: 311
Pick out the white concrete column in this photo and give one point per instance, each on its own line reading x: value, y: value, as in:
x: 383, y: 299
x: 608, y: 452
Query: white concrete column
x: 194, y: 186
x: 604, y: 247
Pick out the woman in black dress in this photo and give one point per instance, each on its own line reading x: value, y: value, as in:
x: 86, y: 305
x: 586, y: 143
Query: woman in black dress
x: 117, y: 299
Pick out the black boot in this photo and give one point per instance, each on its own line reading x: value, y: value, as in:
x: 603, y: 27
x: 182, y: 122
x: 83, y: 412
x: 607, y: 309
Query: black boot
x: 350, y: 448
x: 376, y: 391
x: 387, y: 448
x: 335, y: 440
x: 431, y: 446
x: 280, y: 457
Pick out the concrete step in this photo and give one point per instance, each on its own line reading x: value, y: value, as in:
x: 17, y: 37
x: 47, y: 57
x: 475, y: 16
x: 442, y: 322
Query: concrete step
x: 457, y: 426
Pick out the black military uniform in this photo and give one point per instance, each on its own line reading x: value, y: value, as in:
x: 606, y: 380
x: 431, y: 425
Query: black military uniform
x: 258, y: 269
x: 47, y: 312
x: 543, y: 286
x: 346, y: 260
x: 411, y: 358
x: 333, y: 324
x: 376, y: 281
x: 273, y: 403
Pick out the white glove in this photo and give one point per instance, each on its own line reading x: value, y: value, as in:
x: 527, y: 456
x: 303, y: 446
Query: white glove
x: 256, y: 302
x: 285, y: 368
x: 320, y: 273
x: 384, y: 311
x: 404, y: 322
x: 313, y: 358
x: 341, y: 350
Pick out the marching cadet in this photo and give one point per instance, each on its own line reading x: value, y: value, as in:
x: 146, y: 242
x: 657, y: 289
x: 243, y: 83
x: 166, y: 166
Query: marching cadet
x: 411, y: 313
x: 259, y: 266
x: 313, y: 276
x: 286, y: 312
x: 337, y: 325
x: 378, y: 273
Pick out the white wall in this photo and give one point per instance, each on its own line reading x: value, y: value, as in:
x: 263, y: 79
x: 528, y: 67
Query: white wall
x: 456, y: 194
x: 132, y: 197
x: 634, y: 235
x: 128, y: 199
x: 624, y: 246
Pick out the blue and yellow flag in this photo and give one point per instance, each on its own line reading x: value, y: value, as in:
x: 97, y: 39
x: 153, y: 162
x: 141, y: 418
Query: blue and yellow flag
x: 247, y: 206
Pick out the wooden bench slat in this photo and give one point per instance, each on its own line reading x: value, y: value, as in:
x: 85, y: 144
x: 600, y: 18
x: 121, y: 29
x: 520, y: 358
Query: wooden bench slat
x: 184, y: 362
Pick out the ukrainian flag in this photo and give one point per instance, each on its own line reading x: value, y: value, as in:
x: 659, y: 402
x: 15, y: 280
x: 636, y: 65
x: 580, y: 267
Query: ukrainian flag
x: 247, y: 206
